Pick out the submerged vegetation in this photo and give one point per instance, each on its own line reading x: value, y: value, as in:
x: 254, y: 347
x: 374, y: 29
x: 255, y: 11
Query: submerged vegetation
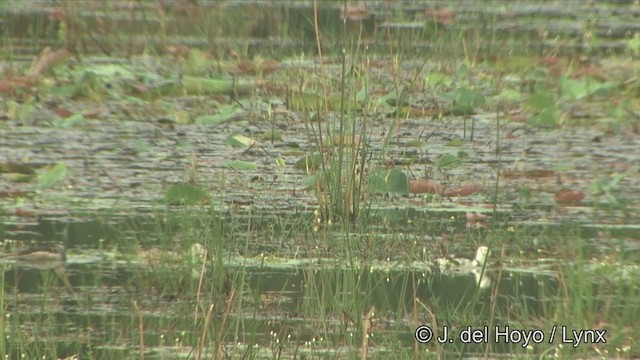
x: 302, y: 180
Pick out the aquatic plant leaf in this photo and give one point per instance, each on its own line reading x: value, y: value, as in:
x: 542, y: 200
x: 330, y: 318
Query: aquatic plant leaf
x: 546, y: 118
x: 391, y: 181
x: 226, y: 113
x: 311, y: 102
x: 241, y: 165
x: 272, y: 135
x: 436, y: 78
x: 448, y: 161
x: 580, y: 88
x: 540, y: 101
x: 509, y: 95
x: 309, y: 182
x: 197, y: 63
x: 65, y: 123
x: 309, y: 162
x: 184, y: 194
x: 465, y: 101
x: 19, y: 111
x: 240, y: 141
x: 19, y: 178
x: 11, y: 167
x: 454, y: 143
x: 202, y: 86
x: 416, y: 143
x: 52, y: 177
x: 393, y: 97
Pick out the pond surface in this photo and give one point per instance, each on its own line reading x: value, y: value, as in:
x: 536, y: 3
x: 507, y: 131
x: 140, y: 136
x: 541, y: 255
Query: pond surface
x: 279, y: 280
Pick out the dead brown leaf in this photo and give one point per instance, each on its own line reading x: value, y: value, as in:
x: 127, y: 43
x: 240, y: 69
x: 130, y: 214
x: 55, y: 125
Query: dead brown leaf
x: 92, y: 114
x: 24, y: 213
x: 468, y: 188
x: 8, y: 86
x: 62, y: 112
x: 48, y: 59
x: 442, y: 16
x: 357, y: 12
x: 569, y: 197
x: 425, y: 187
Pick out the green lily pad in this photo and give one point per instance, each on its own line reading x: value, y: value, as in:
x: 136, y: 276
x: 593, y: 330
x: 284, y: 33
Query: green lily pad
x: 416, y: 143
x: 204, y: 86
x: 466, y: 101
x: 197, y: 63
x: 448, y: 161
x: 272, y: 135
x: 11, y: 167
x: 240, y: 165
x: 310, y: 102
x: 240, y: 141
x: 66, y: 123
x: 545, y: 118
x: 52, y: 177
x: 183, y: 194
x: 454, y: 143
x: 391, y: 181
x: 584, y: 87
x: 309, y: 162
x: 226, y: 113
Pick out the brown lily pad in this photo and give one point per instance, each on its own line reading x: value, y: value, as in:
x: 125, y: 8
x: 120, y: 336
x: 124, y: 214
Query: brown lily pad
x: 569, y: 197
x: 467, y: 189
x: 425, y: 187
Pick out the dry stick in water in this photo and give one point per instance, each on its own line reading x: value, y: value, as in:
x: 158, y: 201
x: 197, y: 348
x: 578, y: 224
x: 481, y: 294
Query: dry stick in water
x: 204, y: 332
x: 218, y: 351
x: 366, y: 322
x: 140, y: 328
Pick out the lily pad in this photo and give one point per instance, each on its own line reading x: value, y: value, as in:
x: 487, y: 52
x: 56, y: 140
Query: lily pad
x: 309, y: 162
x: 204, y: 86
x: 466, y: 101
x: 184, y: 194
x: 391, y: 181
x: 226, y: 113
x: 52, y: 177
x: 11, y: 167
x: 240, y: 141
x: 272, y: 135
x: 241, y: 165
x: 448, y: 161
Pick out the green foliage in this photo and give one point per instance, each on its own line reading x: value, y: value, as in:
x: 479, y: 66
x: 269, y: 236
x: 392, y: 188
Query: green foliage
x: 240, y: 141
x: 448, y: 161
x: 309, y: 162
x: 184, y: 194
x: 391, y: 181
x: 203, y: 86
x: 197, y: 64
x: 545, y: 109
x: 465, y: 101
x: 584, y: 87
x: 69, y: 122
x: 272, y: 135
x: 226, y: 113
x: 241, y: 165
x: 52, y: 177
